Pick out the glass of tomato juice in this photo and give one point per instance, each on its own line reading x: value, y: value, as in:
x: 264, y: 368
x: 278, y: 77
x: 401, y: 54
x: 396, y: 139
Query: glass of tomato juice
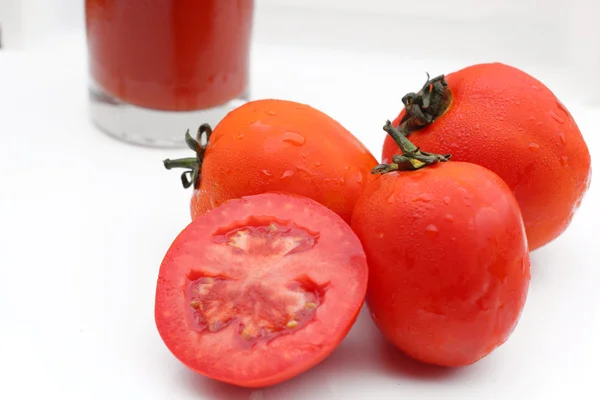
x: 161, y: 67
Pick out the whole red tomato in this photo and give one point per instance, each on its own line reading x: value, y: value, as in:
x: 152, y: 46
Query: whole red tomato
x: 277, y: 145
x: 260, y: 289
x: 448, y: 260
x: 501, y: 118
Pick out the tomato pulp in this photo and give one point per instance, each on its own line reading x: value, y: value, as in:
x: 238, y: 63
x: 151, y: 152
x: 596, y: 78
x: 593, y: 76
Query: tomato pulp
x: 170, y: 55
x: 260, y: 289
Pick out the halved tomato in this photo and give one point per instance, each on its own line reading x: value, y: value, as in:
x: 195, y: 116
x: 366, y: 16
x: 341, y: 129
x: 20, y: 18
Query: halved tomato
x: 260, y: 289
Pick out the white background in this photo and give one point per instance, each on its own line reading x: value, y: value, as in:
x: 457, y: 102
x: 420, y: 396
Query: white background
x: 85, y: 220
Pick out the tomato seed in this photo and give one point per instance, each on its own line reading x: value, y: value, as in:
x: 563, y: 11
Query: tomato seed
x: 292, y: 324
x: 246, y: 333
x: 195, y: 304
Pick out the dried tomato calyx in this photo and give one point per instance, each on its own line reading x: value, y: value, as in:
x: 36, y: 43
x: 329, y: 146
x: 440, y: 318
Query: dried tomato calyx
x: 193, y: 165
x: 425, y: 106
x: 412, y: 157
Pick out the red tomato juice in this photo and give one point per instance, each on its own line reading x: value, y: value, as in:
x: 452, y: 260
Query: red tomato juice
x: 176, y: 55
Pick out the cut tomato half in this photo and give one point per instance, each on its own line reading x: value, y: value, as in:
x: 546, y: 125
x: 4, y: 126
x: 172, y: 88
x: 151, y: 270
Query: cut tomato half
x: 260, y: 289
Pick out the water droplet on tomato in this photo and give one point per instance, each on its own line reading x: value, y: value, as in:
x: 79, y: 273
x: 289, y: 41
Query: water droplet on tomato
x: 432, y: 231
x: 534, y: 146
x: 540, y: 123
x: 266, y: 172
x: 392, y: 198
x: 240, y: 136
x: 424, y: 197
x: 354, y: 178
x: 303, y: 168
x: 561, y: 106
x: 213, y: 201
x: 477, y: 125
x: 318, y: 163
x: 287, y: 174
x: 562, y: 137
x: 446, y: 199
x: 271, y: 113
x: 294, y: 138
x: 564, y: 161
x: 535, y: 87
x: 556, y: 117
x: 449, y: 218
x: 259, y: 126
x: 360, y: 177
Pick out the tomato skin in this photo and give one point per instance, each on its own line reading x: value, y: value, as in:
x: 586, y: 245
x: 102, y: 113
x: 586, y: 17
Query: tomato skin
x: 277, y: 145
x: 448, y: 261
x: 509, y: 122
x: 337, y: 260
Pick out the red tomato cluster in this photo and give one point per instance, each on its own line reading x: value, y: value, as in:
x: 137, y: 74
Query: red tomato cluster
x: 295, y: 225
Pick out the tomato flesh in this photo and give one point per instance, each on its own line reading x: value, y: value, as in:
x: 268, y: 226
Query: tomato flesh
x: 283, y: 307
x: 260, y: 289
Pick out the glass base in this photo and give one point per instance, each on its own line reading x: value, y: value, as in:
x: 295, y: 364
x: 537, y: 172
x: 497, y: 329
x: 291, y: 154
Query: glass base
x: 147, y: 127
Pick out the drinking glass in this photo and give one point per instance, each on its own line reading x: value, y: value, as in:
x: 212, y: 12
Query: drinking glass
x: 161, y: 67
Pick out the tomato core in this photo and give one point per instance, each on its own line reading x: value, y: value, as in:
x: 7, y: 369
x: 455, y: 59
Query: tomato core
x: 262, y: 304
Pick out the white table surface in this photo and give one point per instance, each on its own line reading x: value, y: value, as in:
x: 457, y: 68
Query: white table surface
x: 85, y: 221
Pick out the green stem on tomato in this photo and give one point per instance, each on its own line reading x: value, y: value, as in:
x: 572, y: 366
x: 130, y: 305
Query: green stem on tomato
x: 188, y: 163
x: 425, y: 106
x: 193, y: 165
x: 412, y: 157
